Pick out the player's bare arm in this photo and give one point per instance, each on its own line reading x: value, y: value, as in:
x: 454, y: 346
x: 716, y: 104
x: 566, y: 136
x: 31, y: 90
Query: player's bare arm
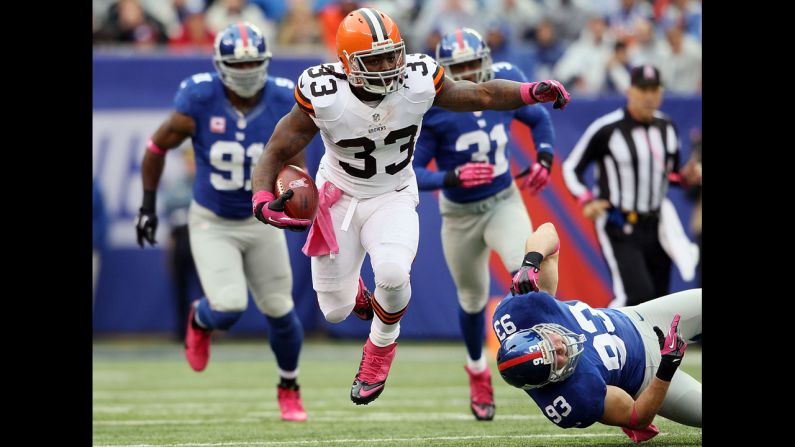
x: 298, y: 160
x: 545, y: 240
x: 466, y: 96
x: 169, y: 135
x: 291, y: 135
x: 622, y: 410
x: 498, y: 94
x: 619, y: 405
x: 539, y: 271
x: 174, y: 130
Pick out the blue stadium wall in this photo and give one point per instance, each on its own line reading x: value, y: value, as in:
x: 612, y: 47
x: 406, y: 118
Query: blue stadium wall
x: 132, y: 95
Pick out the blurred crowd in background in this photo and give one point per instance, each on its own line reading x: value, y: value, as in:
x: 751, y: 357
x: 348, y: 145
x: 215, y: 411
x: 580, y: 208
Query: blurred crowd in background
x: 589, y: 45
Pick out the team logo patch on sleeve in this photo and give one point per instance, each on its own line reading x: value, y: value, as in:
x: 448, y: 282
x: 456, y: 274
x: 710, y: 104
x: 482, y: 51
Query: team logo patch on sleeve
x: 218, y: 124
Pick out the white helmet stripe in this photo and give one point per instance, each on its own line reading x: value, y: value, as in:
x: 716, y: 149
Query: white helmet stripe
x: 376, y: 25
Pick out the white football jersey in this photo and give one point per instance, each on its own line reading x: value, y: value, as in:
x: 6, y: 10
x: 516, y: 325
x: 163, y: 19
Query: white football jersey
x: 369, y: 149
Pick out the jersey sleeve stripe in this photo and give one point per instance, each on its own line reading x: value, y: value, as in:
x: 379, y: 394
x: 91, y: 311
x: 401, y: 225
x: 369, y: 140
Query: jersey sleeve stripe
x: 305, y: 110
x: 302, y: 101
x: 438, y: 78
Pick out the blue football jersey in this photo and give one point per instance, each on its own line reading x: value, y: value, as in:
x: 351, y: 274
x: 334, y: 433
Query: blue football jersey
x: 227, y: 144
x: 613, y: 354
x: 456, y: 138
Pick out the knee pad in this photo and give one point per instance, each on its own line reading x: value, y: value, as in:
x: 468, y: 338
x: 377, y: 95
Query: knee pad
x: 472, y: 304
x: 337, y: 315
x: 275, y: 305
x: 391, y: 276
x: 335, y: 306
x: 230, y: 298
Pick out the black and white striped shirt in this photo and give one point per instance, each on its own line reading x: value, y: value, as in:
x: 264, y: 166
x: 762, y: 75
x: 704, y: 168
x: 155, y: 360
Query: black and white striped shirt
x: 633, y: 160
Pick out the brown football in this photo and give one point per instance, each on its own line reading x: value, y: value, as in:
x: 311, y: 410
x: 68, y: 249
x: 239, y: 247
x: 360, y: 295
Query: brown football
x: 303, y: 204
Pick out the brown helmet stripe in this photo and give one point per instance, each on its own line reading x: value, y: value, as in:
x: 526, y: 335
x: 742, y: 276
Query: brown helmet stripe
x: 377, y: 28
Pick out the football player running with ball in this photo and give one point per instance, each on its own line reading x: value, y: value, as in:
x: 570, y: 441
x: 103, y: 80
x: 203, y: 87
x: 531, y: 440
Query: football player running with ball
x: 368, y: 108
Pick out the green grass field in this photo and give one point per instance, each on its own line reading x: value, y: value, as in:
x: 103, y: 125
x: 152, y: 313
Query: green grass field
x: 144, y: 394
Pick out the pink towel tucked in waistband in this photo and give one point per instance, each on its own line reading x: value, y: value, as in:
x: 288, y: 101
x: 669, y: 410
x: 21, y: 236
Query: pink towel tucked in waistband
x: 321, y: 239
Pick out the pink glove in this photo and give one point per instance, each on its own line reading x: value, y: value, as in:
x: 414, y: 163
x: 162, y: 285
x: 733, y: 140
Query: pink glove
x: 643, y: 434
x: 475, y: 174
x: 672, y: 345
x: 537, y: 179
x: 546, y: 91
x: 525, y: 280
x: 539, y: 175
x: 270, y: 211
x: 672, y: 350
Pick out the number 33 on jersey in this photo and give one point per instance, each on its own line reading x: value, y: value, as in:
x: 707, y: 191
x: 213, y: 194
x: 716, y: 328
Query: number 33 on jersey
x: 368, y: 149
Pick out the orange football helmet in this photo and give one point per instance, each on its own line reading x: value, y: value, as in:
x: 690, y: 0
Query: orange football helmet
x: 364, y: 35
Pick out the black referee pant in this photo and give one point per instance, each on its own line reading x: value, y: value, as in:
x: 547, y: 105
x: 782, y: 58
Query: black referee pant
x: 639, y: 267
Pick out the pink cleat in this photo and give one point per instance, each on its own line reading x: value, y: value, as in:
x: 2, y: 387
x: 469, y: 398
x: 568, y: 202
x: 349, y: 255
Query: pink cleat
x: 290, y: 404
x: 481, y: 394
x: 363, y: 308
x: 373, y: 371
x: 197, y: 342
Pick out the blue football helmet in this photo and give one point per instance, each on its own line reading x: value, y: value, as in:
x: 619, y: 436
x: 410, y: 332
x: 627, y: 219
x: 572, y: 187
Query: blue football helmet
x: 239, y: 43
x: 465, y: 45
x: 527, y: 358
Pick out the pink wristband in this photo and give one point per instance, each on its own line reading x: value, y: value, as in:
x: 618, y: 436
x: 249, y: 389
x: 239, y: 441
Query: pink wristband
x: 586, y: 197
x: 262, y: 196
x: 633, y: 420
x: 557, y: 249
x: 153, y: 148
x: 524, y: 90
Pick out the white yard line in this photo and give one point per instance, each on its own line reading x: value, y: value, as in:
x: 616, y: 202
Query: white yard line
x: 380, y: 440
x: 257, y: 417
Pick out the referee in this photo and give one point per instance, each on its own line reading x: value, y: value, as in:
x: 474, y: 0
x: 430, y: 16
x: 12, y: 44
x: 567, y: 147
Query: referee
x: 635, y: 149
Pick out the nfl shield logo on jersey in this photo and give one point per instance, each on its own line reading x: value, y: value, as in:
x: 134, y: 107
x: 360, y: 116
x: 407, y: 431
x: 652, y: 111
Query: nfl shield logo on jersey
x: 218, y: 124
x: 376, y: 117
